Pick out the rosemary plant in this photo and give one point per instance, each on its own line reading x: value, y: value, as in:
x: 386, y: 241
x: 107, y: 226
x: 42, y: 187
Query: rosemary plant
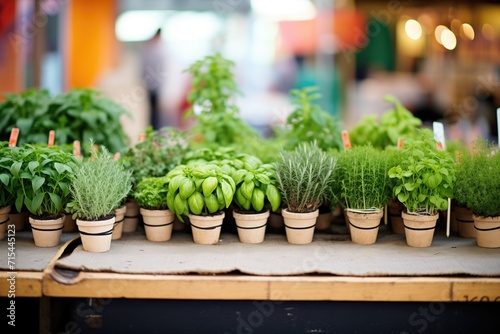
x: 304, y: 177
x: 99, y: 186
x: 364, y: 180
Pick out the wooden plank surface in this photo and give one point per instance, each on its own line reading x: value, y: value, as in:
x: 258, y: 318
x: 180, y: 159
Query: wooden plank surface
x: 28, y: 283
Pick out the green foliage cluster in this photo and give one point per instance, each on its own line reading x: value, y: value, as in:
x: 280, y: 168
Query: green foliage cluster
x: 7, y: 190
x: 151, y: 193
x: 99, y: 186
x: 214, y: 91
x: 395, y: 123
x: 199, y: 189
x: 478, y: 179
x: 41, y: 178
x: 159, y: 153
x: 424, y: 177
x: 80, y: 114
x: 305, y: 177
x: 308, y: 122
x: 363, y: 176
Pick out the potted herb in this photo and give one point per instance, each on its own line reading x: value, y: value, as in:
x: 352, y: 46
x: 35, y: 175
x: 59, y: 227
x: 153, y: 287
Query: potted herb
x: 364, y: 190
x: 256, y: 194
x: 304, y: 178
x: 41, y: 176
x: 213, y: 103
x: 424, y: 182
x: 478, y: 181
x: 201, y: 192
x: 151, y: 194
x: 99, y: 186
x: 6, y: 191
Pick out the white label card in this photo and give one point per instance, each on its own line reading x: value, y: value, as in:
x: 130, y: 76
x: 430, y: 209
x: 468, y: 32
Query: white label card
x: 438, y: 129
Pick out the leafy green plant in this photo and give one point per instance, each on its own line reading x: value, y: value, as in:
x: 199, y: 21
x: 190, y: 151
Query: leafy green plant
x: 424, y: 176
x: 363, y: 175
x: 41, y: 177
x: 7, y: 192
x: 478, y: 179
x: 213, y: 92
x: 394, y: 123
x: 256, y: 189
x: 25, y: 111
x: 99, y: 185
x: 159, y: 153
x: 308, y: 122
x: 151, y: 193
x: 304, y: 177
x: 199, y: 189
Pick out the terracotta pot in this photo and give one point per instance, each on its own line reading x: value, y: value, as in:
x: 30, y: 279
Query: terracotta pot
x: 4, y: 220
x: 395, y: 208
x: 299, y: 227
x: 465, y: 222
x: 206, y: 229
x: 96, y: 235
x: 364, y: 226
x: 47, y: 232
x: 324, y: 221
x: 487, y: 231
x: 118, y: 224
x: 131, y: 216
x: 19, y: 220
x: 276, y: 222
x: 251, y: 227
x: 419, y: 230
x: 158, y: 224
x: 69, y: 223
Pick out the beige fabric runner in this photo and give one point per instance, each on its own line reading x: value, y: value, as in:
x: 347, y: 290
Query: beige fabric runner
x: 28, y: 256
x: 327, y: 254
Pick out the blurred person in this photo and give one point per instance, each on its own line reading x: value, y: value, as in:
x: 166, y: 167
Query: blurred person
x: 152, y: 60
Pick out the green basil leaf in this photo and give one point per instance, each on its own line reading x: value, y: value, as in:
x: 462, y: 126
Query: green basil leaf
x: 196, y: 203
x: 273, y: 196
x: 187, y: 188
x: 228, y: 193
x: 37, y: 182
x: 209, y: 185
x: 258, y: 199
x: 212, y: 203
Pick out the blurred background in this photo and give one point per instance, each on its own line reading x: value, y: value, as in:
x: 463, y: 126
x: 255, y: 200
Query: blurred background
x: 440, y: 58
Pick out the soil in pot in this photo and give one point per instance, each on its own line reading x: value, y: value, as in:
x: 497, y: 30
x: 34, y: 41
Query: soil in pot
x: 96, y: 235
x: 299, y: 227
x: 158, y: 224
x: 251, y: 226
x: 364, y: 225
x: 487, y: 231
x: 206, y: 229
x: 47, y: 232
x: 419, y: 229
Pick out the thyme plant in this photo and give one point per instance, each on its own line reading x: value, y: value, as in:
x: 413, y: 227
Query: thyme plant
x: 304, y: 177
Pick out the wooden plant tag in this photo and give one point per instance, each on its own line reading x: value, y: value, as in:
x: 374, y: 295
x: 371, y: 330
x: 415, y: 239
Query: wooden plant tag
x: 142, y: 137
x: 345, y: 140
x: 438, y: 129
x: 116, y: 156
x: 76, y: 149
x: 52, y: 137
x: 14, y: 134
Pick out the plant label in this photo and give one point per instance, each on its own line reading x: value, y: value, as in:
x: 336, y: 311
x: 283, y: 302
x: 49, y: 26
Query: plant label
x: 438, y: 129
x: 400, y: 143
x: 14, y: 134
x: 142, y: 137
x: 346, y: 141
x: 76, y: 149
x: 52, y: 136
x: 116, y: 156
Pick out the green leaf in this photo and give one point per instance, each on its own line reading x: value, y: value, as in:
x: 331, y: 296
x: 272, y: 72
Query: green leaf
x: 263, y: 178
x: 37, y: 182
x: 247, y: 189
x: 37, y: 202
x: 212, y: 203
x: 5, y: 179
x: 258, y: 199
x: 15, y: 168
x: 171, y: 202
x: 56, y: 199
x: 175, y: 183
x: 32, y: 165
x: 273, y: 196
x: 19, y: 202
x: 209, y: 185
x: 238, y: 176
x: 228, y: 193
x: 239, y: 198
x: 402, y: 197
x: 196, y: 203
x: 180, y: 205
x: 187, y: 188
x: 409, y: 186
